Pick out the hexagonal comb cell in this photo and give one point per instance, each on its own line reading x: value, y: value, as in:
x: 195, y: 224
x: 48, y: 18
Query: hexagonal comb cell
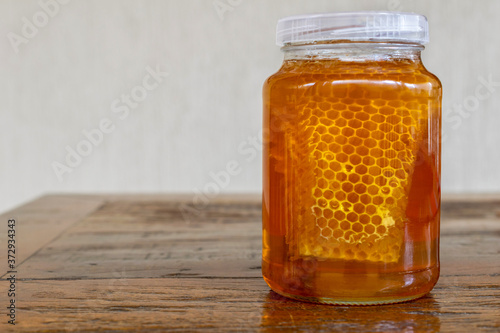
x: 361, y: 151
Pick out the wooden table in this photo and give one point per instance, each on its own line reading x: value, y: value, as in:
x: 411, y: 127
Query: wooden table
x: 158, y: 263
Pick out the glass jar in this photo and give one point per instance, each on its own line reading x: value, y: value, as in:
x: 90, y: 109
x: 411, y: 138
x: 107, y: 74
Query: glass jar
x: 352, y: 150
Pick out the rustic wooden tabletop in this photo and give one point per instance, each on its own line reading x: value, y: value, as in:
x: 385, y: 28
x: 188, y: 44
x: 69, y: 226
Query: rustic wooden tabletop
x: 160, y: 263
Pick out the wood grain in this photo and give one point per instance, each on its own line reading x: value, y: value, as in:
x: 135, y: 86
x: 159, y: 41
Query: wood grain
x: 127, y: 263
x: 44, y: 220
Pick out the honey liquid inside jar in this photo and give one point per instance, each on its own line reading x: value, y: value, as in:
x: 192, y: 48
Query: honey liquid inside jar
x: 351, y: 178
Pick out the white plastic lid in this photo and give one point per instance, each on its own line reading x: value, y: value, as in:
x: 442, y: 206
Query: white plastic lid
x: 353, y: 26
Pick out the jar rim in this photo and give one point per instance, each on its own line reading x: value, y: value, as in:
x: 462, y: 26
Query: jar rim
x: 370, y: 26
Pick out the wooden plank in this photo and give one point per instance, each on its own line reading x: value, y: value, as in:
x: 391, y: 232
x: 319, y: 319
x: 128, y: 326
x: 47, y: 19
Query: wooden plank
x: 224, y: 305
x: 153, y: 236
x: 41, y: 221
x: 137, y: 262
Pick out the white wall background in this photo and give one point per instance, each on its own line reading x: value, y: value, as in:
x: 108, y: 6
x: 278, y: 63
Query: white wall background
x: 65, y: 76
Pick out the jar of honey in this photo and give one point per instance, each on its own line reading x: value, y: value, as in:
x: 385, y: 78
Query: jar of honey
x: 352, y: 158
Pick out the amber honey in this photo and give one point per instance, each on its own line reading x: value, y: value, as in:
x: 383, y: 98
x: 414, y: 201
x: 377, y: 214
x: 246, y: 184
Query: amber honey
x: 351, y: 174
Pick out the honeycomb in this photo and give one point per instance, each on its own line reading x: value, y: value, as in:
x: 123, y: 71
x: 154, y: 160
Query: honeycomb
x: 351, y: 151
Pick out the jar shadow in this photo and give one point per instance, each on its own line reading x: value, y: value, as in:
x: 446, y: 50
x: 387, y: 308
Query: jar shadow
x: 415, y: 316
